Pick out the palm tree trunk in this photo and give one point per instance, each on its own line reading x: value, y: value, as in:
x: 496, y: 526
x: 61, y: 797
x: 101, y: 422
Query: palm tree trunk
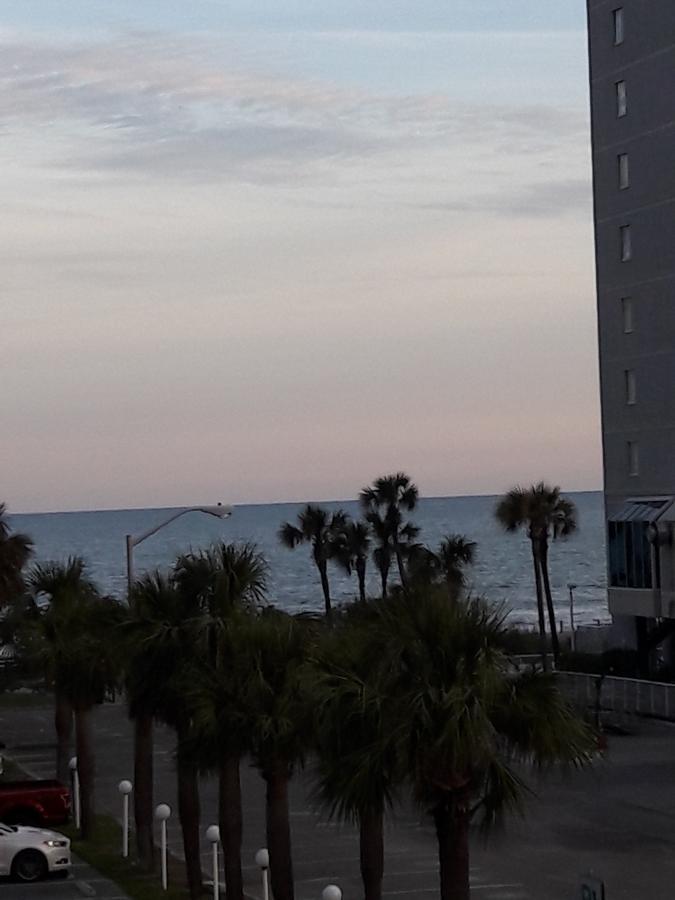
x: 543, y: 649
x: 543, y: 558
x: 63, y: 725
x: 325, y: 587
x: 401, y: 565
x: 86, y: 770
x: 143, y: 788
x: 279, y: 831
x: 361, y: 575
x: 189, y: 814
x: 230, y: 817
x: 452, y: 832
x: 372, y: 854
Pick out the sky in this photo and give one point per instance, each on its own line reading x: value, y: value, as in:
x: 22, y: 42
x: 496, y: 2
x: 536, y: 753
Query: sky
x: 266, y: 250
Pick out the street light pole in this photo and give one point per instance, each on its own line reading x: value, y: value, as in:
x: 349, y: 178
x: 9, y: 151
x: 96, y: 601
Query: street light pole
x: 219, y: 511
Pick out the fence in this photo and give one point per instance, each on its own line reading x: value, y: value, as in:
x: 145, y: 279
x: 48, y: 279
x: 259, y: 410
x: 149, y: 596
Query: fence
x: 624, y: 696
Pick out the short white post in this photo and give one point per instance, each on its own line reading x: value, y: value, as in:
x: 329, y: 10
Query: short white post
x: 213, y: 836
x: 125, y: 788
x: 162, y: 813
x: 262, y: 859
x: 332, y: 892
x: 76, y: 790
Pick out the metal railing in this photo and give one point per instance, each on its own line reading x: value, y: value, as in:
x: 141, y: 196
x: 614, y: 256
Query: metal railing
x: 625, y: 696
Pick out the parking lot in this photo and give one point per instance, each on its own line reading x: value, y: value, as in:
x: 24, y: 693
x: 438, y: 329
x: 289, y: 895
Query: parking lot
x: 83, y: 882
x: 617, y: 819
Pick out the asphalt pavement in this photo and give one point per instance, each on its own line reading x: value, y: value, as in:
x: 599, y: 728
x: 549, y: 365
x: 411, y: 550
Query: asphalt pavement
x: 616, y: 819
x: 83, y: 881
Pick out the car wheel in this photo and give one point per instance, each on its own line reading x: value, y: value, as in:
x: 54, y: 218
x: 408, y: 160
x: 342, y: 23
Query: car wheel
x: 29, y: 865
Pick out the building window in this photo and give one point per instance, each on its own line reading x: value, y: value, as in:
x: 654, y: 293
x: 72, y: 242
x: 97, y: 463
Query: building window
x: 627, y: 314
x: 626, y: 243
x: 633, y: 458
x: 621, y: 99
x: 624, y: 173
x: 629, y: 376
x: 630, y: 558
x: 617, y: 17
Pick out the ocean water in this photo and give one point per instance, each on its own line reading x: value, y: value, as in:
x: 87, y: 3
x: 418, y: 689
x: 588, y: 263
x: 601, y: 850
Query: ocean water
x: 502, y: 572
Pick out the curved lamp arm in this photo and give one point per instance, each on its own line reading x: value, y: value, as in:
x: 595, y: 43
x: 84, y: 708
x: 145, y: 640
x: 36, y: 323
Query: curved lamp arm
x: 219, y: 511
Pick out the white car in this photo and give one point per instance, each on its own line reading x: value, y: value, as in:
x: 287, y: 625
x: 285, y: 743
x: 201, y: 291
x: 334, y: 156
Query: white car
x: 29, y: 854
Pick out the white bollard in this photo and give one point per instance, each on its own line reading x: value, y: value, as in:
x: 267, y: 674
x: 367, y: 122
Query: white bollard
x: 213, y: 836
x: 332, y: 892
x: 72, y: 765
x: 125, y: 788
x: 262, y: 859
x: 162, y: 813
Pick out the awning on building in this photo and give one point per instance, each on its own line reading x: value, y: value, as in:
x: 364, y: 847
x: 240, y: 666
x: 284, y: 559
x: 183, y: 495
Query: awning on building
x: 645, y: 510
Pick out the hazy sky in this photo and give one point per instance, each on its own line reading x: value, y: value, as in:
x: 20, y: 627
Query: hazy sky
x: 255, y: 251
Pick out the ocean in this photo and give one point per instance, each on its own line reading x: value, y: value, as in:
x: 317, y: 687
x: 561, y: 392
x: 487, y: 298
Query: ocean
x: 502, y: 572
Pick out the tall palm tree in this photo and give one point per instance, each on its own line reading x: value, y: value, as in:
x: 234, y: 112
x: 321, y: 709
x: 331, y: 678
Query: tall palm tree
x: 163, y: 649
x: 75, y: 631
x: 227, y: 582
x: 544, y: 514
x: 276, y: 693
x: 15, y: 551
x: 351, y: 551
x: 61, y: 585
x: 382, y: 552
x: 148, y: 639
x: 317, y: 527
x: 356, y: 739
x: 470, y: 719
x: 386, y: 501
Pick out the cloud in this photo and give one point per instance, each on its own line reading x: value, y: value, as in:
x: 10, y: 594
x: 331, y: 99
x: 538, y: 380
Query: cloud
x: 545, y: 198
x: 166, y: 106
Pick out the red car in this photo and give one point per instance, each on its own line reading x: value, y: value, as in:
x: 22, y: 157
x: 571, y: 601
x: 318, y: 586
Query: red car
x: 34, y: 803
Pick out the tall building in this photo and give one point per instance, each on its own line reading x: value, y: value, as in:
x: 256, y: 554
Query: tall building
x: 632, y: 78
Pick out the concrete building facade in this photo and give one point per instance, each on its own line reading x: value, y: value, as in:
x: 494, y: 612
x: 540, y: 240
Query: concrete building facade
x: 632, y: 80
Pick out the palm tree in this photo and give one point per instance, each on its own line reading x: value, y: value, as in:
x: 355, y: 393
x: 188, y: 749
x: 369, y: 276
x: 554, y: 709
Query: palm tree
x: 382, y: 553
x: 384, y: 502
x: 317, y: 527
x: 455, y: 553
x: 351, y: 552
x: 276, y: 646
x: 75, y: 631
x: 148, y: 638
x: 15, y: 551
x: 227, y: 582
x: 470, y: 719
x: 62, y: 585
x: 544, y: 514
x: 356, y: 739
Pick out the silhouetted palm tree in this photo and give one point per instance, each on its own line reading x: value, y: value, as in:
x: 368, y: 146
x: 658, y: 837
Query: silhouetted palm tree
x: 15, y: 551
x: 229, y: 580
x: 75, y: 632
x: 544, y: 514
x: 384, y: 504
x: 351, y: 551
x: 471, y: 723
x: 356, y: 738
x: 455, y: 554
x: 276, y: 647
x: 319, y: 528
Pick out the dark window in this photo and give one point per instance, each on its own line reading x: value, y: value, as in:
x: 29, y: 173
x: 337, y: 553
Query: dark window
x: 630, y: 555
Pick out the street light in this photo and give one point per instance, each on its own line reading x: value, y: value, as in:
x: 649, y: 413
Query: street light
x: 219, y: 511
x: 332, y: 892
x: 573, y: 640
x: 162, y: 813
x: 213, y: 837
x: 125, y: 788
x: 262, y: 859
